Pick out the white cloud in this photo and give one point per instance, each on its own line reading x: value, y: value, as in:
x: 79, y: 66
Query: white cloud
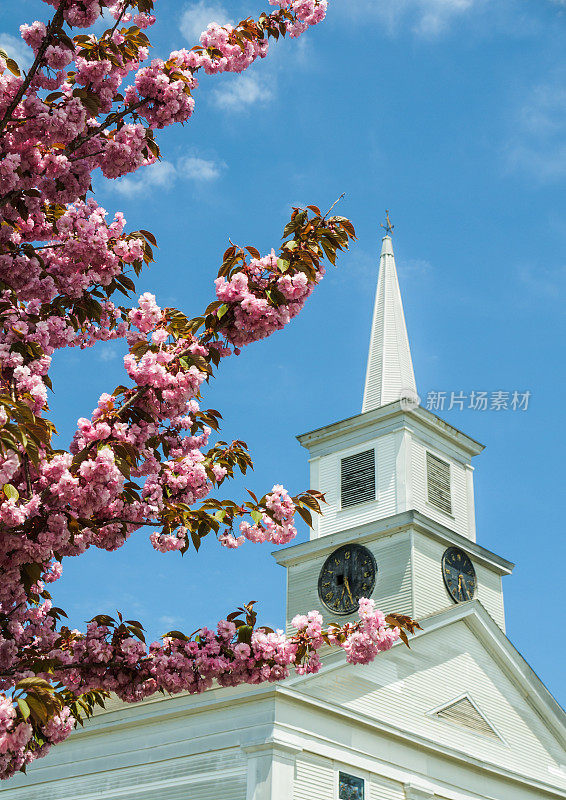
x: 543, y: 281
x: 103, y: 23
x: 195, y: 18
x: 424, y: 17
x: 108, y: 354
x: 169, y: 621
x: 162, y: 175
x: 543, y: 164
x: 436, y: 15
x: 537, y: 145
x: 17, y: 49
x: 241, y: 91
x: 200, y: 169
x: 544, y: 112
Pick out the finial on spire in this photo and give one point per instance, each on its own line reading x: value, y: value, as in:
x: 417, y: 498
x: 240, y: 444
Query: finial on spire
x: 388, y: 227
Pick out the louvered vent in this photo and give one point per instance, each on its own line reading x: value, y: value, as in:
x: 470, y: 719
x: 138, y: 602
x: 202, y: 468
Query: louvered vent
x: 464, y: 713
x: 438, y: 483
x: 358, y: 478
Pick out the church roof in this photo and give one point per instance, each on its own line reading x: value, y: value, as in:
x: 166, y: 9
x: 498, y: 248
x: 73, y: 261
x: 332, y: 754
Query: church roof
x: 495, y: 642
x: 389, y: 375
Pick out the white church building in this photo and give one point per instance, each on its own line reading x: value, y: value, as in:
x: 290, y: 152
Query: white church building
x: 458, y: 716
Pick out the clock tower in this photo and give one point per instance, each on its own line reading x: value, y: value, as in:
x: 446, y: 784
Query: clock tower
x: 399, y: 524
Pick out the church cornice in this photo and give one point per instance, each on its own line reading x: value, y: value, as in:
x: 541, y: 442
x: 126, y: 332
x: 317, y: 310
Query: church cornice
x: 316, y: 439
x: 388, y: 526
x: 416, y: 792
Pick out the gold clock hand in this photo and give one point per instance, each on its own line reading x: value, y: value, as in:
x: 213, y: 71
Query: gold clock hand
x: 348, y: 588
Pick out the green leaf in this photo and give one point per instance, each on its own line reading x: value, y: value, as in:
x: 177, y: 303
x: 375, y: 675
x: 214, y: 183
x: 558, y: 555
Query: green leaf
x: 149, y: 236
x: 282, y: 264
x: 127, y: 282
x: 176, y: 635
x: 24, y: 708
x: 11, y: 492
x: 305, y: 514
x: 256, y: 516
x: 289, y: 228
x: 276, y: 297
x: 13, y: 67
x: 38, y: 709
x: 330, y: 253
x: 245, y: 634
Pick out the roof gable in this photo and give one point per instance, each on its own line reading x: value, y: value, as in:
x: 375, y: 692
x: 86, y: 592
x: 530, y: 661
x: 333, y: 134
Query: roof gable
x: 453, y: 691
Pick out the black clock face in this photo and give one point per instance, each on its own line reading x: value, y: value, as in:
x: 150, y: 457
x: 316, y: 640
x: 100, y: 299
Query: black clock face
x: 348, y: 574
x: 459, y: 574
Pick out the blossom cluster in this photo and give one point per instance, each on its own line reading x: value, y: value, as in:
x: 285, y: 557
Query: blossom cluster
x: 254, y: 317
x: 278, y: 527
x: 223, y: 657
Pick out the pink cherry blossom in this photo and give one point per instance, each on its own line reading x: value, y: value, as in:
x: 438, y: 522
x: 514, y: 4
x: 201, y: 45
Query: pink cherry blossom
x: 148, y: 455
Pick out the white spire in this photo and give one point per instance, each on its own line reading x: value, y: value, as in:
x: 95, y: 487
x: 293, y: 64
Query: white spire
x: 389, y: 375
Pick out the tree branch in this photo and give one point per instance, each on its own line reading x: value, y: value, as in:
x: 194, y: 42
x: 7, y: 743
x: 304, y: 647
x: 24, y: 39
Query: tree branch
x: 111, y: 119
x: 53, y: 25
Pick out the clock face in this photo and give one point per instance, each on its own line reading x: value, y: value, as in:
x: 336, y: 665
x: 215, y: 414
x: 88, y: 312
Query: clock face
x: 459, y: 574
x: 348, y: 574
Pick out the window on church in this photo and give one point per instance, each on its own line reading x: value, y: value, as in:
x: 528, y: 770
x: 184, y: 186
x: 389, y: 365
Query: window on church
x: 358, y: 478
x: 438, y: 482
x: 350, y: 788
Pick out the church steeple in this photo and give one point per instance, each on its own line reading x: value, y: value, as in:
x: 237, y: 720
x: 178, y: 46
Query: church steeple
x: 398, y: 481
x: 389, y: 375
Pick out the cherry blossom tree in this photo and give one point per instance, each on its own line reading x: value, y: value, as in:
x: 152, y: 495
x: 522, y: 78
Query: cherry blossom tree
x: 144, y: 458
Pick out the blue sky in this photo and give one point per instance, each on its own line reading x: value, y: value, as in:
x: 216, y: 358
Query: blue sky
x: 452, y: 113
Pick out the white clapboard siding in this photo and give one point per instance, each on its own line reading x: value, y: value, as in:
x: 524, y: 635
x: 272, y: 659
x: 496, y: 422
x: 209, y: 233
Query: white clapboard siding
x: 441, y: 666
x: 383, y: 789
x: 430, y: 592
x: 458, y: 520
x: 165, y: 739
x: 335, y: 518
x: 210, y: 776
x: 314, y: 779
x: 490, y: 594
x: 392, y: 590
